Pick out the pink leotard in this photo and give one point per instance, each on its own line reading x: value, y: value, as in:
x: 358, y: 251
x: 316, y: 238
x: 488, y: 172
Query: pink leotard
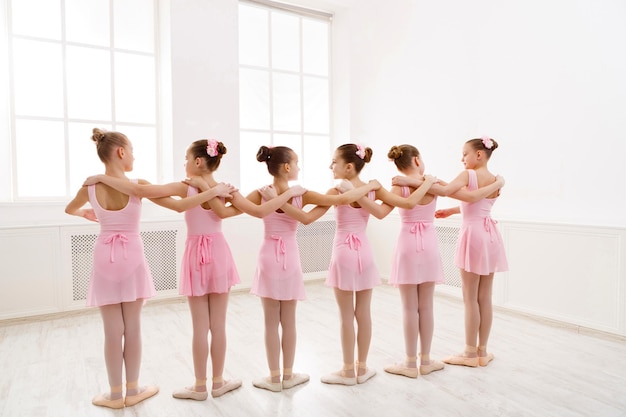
x: 416, y: 258
x: 208, y: 265
x: 120, y: 271
x: 279, y: 273
x: 479, y: 248
x: 352, y: 266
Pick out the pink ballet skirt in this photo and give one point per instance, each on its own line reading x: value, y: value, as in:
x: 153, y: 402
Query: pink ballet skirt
x: 279, y: 273
x: 479, y: 248
x: 120, y: 271
x: 208, y: 266
x: 416, y: 257
x: 352, y: 266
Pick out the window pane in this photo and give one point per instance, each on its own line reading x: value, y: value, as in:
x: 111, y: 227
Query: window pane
x: 315, y: 47
x: 40, y: 145
x: 39, y: 18
x: 286, y: 96
x: 87, y: 22
x: 317, y: 156
x: 285, y: 42
x: 255, y: 173
x: 133, y: 22
x: 253, y: 36
x: 84, y: 160
x: 38, y: 76
x: 144, y: 141
x: 88, y: 83
x: 254, y: 101
x: 135, y: 94
x: 316, y: 112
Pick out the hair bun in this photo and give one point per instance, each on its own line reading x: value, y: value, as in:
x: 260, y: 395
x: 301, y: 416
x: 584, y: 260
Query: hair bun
x: 97, y: 135
x: 263, y: 155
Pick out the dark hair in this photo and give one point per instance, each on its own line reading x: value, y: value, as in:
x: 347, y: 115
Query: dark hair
x: 403, y: 155
x: 479, y: 145
x: 348, y: 153
x: 275, y: 157
x: 107, y: 142
x: 199, y: 150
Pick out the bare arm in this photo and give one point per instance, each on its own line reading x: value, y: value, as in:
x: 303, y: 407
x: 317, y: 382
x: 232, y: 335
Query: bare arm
x: 443, y: 213
x: 186, y: 203
x: 483, y: 192
x: 75, y: 207
x: 441, y: 189
x: 142, y: 189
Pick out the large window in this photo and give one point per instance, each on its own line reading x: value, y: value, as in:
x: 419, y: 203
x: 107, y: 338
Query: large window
x: 284, y: 90
x: 74, y: 65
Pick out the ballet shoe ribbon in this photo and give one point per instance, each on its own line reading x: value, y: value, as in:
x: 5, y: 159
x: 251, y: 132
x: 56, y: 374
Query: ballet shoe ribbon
x: 354, y: 243
x: 111, y: 239
x: 280, y: 249
x: 418, y: 229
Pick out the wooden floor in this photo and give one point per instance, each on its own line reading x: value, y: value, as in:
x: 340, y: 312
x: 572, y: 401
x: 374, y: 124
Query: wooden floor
x: 53, y: 367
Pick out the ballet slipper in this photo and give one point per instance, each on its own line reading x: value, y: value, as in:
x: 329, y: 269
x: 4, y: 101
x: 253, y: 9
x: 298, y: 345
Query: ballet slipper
x: 141, y: 395
x: 294, y: 379
x: 339, y: 377
x: 463, y: 359
x: 190, y: 394
x: 369, y: 373
x: 227, y: 386
x: 402, y: 368
x: 431, y: 367
x: 104, y: 400
x: 267, y: 382
x: 485, y: 359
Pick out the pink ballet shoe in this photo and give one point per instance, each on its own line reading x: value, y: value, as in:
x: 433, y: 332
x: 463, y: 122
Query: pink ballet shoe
x: 484, y: 360
x: 228, y: 386
x: 431, y: 367
x: 401, y: 369
x: 463, y: 359
x: 266, y: 383
x: 190, y: 394
x: 144, y: 394
x: 296, y: 379
x: 103, y: 400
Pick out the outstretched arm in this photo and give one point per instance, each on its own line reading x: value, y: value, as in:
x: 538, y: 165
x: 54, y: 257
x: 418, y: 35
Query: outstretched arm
x: 443, y: 213
x: 394, y: 199
x: 75, y: 207
x: 186, y: 203
x: 483, y: 192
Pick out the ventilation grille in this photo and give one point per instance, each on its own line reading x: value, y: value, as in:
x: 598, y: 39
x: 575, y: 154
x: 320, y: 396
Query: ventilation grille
x: 447, y: 237
x: 159, y: 248
x: 315, y: 241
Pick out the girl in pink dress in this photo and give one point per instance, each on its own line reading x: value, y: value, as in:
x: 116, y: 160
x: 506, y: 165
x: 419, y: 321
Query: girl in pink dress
x: 208, y: 269
x: 120, y: 280
x: 278, y: 280
x: 417, y: 264
x: 479, y: 253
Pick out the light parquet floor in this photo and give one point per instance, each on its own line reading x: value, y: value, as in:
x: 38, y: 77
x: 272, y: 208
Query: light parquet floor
x: 52, y: 367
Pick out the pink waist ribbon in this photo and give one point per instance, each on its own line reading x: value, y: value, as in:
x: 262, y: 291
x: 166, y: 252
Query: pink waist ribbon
x: 110, y: 240
x: 490, y: 226
x: 418, y: 229
x: 280, y: 249
x: 354, y: 243
x: 203, y: 250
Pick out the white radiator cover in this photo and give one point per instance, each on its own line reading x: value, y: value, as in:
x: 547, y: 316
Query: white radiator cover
x: 159, y: 248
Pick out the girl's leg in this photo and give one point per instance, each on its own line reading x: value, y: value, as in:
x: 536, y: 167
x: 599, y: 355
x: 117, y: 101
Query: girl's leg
x: 288, y: 325
x: 472, y: 321
x: 346, y: 376
x: 113, y: 322
x: 485, y: 289
x: 271, y: 311
x: 425, y: 296
x: 362, y: 312
x: 218, y: 305
x: 199, y: 308
x: 131, y: 313
x: 410, y: 321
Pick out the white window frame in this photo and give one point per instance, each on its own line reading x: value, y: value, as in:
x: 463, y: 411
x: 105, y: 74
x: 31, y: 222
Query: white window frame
x: 8, y: 116
x: 302, y: 13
